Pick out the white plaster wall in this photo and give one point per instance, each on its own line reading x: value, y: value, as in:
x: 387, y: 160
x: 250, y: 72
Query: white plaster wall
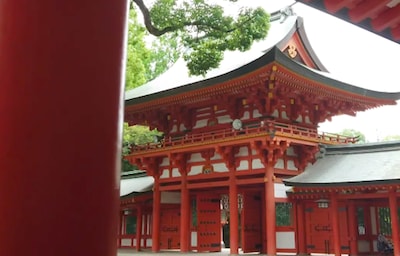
x: 256, y: 113
x: 280, y: 190
x: 195, y: 157
x: 275, y: 113
x: 195, y: 170
x: 291, y: 166
x: 193, y: 239
x: 165, y: 161
x: 243, y: 166
x: 175, y: 172
x: 126, y: 242
x: 280, y: 164
x: 149, y: 242
x: 170, y: 197
x: 290, y: 151
x: 246, y: 115
x: 164, y: 174
x: 285, y: 240
x: 200, y: 123
x: 220, y: 167
x: 284, y: 115
x: 224, y: 119
x: 256, y: 164
x: 243, y: 151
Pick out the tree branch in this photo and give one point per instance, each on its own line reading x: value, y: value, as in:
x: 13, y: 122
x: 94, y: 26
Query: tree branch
x: 149, y: 24
x: 159, y: 32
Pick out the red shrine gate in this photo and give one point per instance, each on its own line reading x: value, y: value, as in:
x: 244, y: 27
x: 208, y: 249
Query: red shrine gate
x: 319, y: 236
x: 251, y: 222
x: 253, y: 125
x: 209, y: 222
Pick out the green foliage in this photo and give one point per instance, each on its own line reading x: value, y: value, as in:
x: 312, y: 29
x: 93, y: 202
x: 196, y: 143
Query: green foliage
x: 138, y: 55
x: 353, y: 133
x: 164, y: 52
x: 391, y: 137
x: 204, y: 30
x: 135, y: 135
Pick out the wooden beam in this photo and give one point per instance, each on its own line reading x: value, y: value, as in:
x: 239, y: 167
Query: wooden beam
x: 366, y: 9
x: 396, y: 33
x: 333, y: 6
x: 386, y: 19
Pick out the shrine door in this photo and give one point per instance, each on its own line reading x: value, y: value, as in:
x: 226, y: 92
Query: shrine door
x: 319, y: 235
x: 209, y: 223
x: 251, y: 223
x: 170, y: 230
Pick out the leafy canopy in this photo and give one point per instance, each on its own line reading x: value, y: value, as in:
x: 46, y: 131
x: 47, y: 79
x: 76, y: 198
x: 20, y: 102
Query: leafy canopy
x: 203, y: 29
x: 353, y: 133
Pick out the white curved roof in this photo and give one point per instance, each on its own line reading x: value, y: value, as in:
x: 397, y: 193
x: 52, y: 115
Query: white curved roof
x: 138, y: 185
x: 178, y: 74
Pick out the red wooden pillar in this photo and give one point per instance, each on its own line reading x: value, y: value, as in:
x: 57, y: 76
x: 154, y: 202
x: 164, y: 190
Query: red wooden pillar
x: 145, y: 228
x: 155, y: 236
x: 335, y: 225
x: 61, y: 108
x: 353, y: 229
x: 139, y: 221
x: 270, y: 209
x: 121, y: 227
x: 185, y: 216
x: 301, y: 231
x: 233, y: 216
x: 395, y: 222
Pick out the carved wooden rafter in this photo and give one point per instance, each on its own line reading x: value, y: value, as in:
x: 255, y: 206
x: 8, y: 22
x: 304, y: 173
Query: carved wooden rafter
x: 149, y: 164
x: 235, y: 107
x: 305, y: 154
x: 179, y: 160
x: 270, y: 150
x: 228, y: 155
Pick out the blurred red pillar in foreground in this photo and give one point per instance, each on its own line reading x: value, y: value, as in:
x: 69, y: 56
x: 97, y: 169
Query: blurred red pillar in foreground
x: 60, y: 109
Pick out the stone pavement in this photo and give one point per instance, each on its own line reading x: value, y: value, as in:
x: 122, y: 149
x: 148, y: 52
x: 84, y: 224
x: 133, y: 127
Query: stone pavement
x: 130, y: 252
x: 224, y: 252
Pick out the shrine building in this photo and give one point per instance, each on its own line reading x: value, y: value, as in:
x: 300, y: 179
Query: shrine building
x: 243, y: 165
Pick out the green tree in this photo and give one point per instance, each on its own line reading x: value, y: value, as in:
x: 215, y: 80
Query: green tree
x: 355, y: 134
x: 203, y: 30
x: 138, y: 55
x: 391, y: 137
x: 136, y: 135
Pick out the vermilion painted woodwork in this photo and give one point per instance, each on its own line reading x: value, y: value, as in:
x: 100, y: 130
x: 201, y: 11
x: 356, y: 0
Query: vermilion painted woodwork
x: 353, y: 227
x: 251, y: 222
x: 365, y: 10
x: 185, y: 215
x: 60, y: 65
x: 335, y: 225
x: 301, y: 50
x: 139, y: 222
x: 209, y: 223
x: 156, y: 223
x: 301, y: 230
x: 394, y: 218
x: 389, y: 18
x: 270, y: 206
x: 233, y: 214
x: 335, y: 5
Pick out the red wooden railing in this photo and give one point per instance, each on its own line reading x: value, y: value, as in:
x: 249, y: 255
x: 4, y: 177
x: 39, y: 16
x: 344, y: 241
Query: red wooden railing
x: 269, y: 128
